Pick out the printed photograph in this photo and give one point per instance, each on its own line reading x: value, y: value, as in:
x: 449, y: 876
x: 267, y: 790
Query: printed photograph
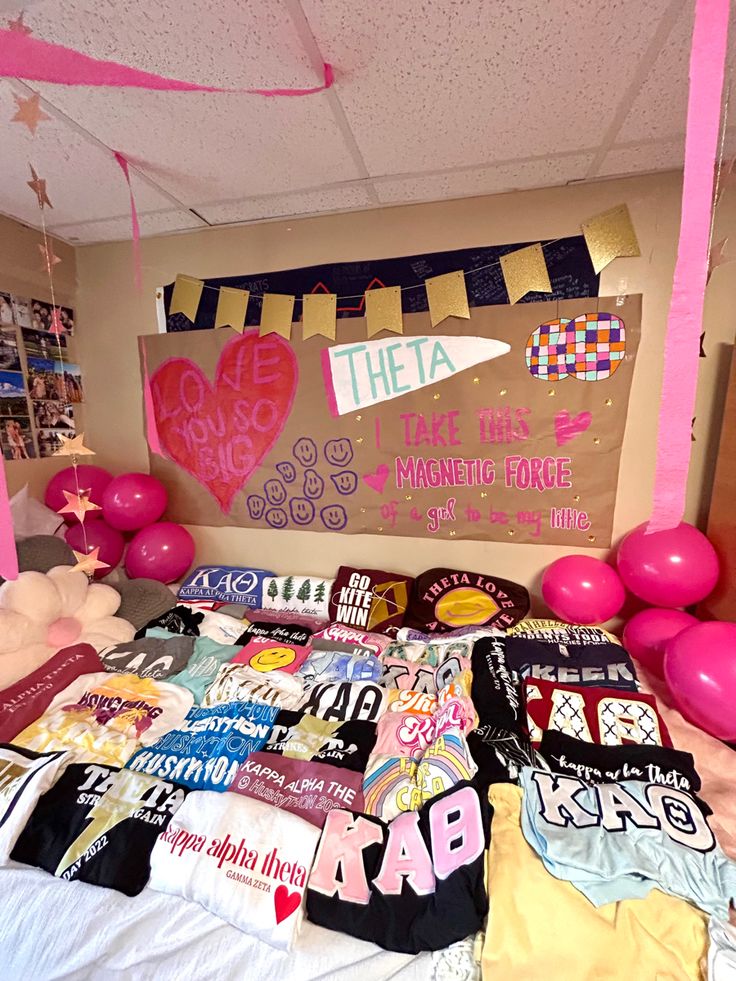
x: 6, y: 309
x: 11, y: 385
x: 53, y: 415
x: 16, y: 438
x: 66, y: 315
x: 39, y: 344
x: 13, y: 407
x: 72, y: 380
x: 44, y: 382
x: 21, y: 311
x: 49, y: 442
x: 41, y: 312
x: 9, y: 357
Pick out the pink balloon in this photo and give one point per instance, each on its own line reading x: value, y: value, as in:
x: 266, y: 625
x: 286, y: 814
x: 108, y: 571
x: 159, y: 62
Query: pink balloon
x: 100, y: 535
x: 163, y: 551
x: 93, y: 479
x: 669, y: 568
x: 581, y: 589
x: 134, y: 500
x: 648, y: 631
x: 700, y: 670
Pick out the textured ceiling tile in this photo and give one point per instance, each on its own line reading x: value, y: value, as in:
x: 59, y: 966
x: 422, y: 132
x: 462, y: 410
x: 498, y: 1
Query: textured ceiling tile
x: 660, y: 109
x: 279, y: 206
x: 484, y: 180
x: 83, y: 181
x: 118, y: 229
x: 205, y: 147
x: 643, y: 158
x: 437, y: 84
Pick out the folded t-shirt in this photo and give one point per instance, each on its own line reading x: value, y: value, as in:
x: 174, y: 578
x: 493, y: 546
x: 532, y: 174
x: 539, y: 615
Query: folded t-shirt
x: 99, y: 824
x: 300, y: 736
x: 300, y: 594
x: 224, y: 584
x: 263, y: 654
x: 239, y: 683
x: 241, y: 859
x: 443, y: 599
x: 180, y: 619
x: 202, y: 668
x: 558, y: 632
x: 341, y: 700
x: 334, y: 661
x: 595, y: 715
x: 24, y: 776
x: 370, y: 599
x: 304, y: 787
x: 205, y: 751
x: 603, y: 663
x: 149, y: 657
x: 360, y: 640
x: 288, y: 633
x: 104, y: 718
x: 29, y: 698
x: 414, y: 884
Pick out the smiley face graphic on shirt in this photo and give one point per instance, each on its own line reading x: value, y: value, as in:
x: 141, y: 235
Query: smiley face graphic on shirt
x: 274, y: 658
x: 464, y: 607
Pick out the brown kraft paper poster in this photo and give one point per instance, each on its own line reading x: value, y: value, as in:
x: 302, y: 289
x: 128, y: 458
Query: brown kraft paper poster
x: 440, y: 433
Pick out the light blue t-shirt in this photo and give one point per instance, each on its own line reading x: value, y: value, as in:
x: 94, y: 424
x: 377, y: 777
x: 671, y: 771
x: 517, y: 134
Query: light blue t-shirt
x: 620, y: 840
x: 203, y: 666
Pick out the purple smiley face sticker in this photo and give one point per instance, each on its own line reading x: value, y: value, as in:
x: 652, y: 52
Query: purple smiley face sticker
x: 302, y: 511
x: 277, y: 518
x: 338, y: 452
x: 346, y: 482
x: 275, y: 491
x: 305, y: 451
x: 287, y: 470
x: 314, y: 486
x: 334, y: 517
x: 256, y: 506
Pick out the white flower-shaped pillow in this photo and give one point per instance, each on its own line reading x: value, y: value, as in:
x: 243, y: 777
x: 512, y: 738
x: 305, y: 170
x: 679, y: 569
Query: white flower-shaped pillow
x: 41, y: 613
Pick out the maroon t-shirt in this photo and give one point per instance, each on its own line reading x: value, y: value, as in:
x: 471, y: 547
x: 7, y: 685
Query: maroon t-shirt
x: 370, y: 599
x: 27, y: 699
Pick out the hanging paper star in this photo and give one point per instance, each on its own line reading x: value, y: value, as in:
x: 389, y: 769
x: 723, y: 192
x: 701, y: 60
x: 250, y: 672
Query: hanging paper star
x: 38, y: 186
x: 56, y: 325
x: 718, y: 257
x: 29, y: 112
x: 90, y: 563
x: 47, y: 254
x: 18, y: 25
x: 78, y: 504
x: 73, y: 446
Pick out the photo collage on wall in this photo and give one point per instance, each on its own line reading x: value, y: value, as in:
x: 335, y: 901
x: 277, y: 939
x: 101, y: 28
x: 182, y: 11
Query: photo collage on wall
x: 40, y: 388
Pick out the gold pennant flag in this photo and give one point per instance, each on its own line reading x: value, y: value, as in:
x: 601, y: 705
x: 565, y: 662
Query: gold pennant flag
x: 447, y: 297
x: 277, y: 312
x: 231, y: 307
x: 525, y: 271
x: 319, y: 311
x: 383, y: 310
x: 185, y: 298
x: 610, y: 236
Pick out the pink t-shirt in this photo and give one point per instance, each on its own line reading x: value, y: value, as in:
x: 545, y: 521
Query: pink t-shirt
x: 265, y: 654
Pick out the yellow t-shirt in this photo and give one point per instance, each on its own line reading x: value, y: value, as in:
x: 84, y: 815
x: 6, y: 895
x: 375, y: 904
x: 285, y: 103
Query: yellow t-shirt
x: 540, y: 927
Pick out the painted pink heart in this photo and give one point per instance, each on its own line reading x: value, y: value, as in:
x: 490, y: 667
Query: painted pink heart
x: 377, y: 479
x: 567, y: 428
x: 220, y: 433
x: 285, y: 902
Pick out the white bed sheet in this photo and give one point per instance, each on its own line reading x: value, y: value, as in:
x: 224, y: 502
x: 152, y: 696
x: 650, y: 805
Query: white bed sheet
x: 51, y: 929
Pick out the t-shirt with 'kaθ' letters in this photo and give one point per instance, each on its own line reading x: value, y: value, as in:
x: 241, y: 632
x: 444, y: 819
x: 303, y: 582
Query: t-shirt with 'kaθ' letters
x: 204, y: 753
x: 104, y: 718
x: 99, y: 824
x: 149, y: 657
x: 343, y: 700
x: 413, y: 884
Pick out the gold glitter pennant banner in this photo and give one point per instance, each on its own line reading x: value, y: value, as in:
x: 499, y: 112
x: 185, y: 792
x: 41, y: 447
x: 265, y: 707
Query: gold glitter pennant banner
x: 525, y: 271
x: 447, y: 297
x: 231, y: 307
x: 319, y: 311
x: 277, y: 312
x: 185, y: 298
x: 610, y: 236
x: 383, y: 310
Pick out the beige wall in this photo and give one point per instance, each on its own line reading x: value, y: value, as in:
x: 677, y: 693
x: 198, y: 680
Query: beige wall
x: 111, y: 315
x: 22, y: 272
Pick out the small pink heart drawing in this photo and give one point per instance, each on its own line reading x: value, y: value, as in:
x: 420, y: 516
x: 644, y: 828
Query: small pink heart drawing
x: 377, y: 480
x: 567, y: 428
x: 285, y: 902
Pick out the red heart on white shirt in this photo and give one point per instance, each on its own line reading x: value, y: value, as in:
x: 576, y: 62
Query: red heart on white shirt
x: 285, y: 902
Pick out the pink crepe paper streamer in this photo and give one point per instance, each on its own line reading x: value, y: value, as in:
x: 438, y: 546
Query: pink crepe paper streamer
x: 30, y: 58
x: 137, y: 272
x: 8, y: 554
x: 151, y: 428
x: 684, y: 323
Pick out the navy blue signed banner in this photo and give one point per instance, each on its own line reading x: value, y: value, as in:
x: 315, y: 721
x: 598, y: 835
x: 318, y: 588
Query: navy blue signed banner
x: 570, y: 271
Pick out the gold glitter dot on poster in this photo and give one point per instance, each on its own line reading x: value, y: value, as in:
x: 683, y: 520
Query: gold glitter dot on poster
x: 359, y: 439
x: 551, y: 391
x: 608, y: 402
x: 597, y: 440
x: 511, y: 532
x: 380, y: 528
x: 436, y: 396
x: 452, y: 534
x: 407, y: 497
x: 591, y: 538
x: 362, y: 510
x: 483, y: 494
x: 576, y: 498
x: 503, y: 391
x: 358, y: 418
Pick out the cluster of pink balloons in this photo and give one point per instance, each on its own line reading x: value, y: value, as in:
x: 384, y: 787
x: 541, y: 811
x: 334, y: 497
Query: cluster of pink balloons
x: 130, y: 503
x: 668, y: 569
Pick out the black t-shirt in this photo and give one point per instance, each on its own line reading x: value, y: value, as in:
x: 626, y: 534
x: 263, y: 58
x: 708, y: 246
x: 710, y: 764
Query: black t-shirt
x: 445, y: 599
x: 180, y: 620
x: 99, y: 824
x: 305, y: 737
x: 289, y: 633
x: 500, y: 743
x: 414, y: 884
x: 603, y: 664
